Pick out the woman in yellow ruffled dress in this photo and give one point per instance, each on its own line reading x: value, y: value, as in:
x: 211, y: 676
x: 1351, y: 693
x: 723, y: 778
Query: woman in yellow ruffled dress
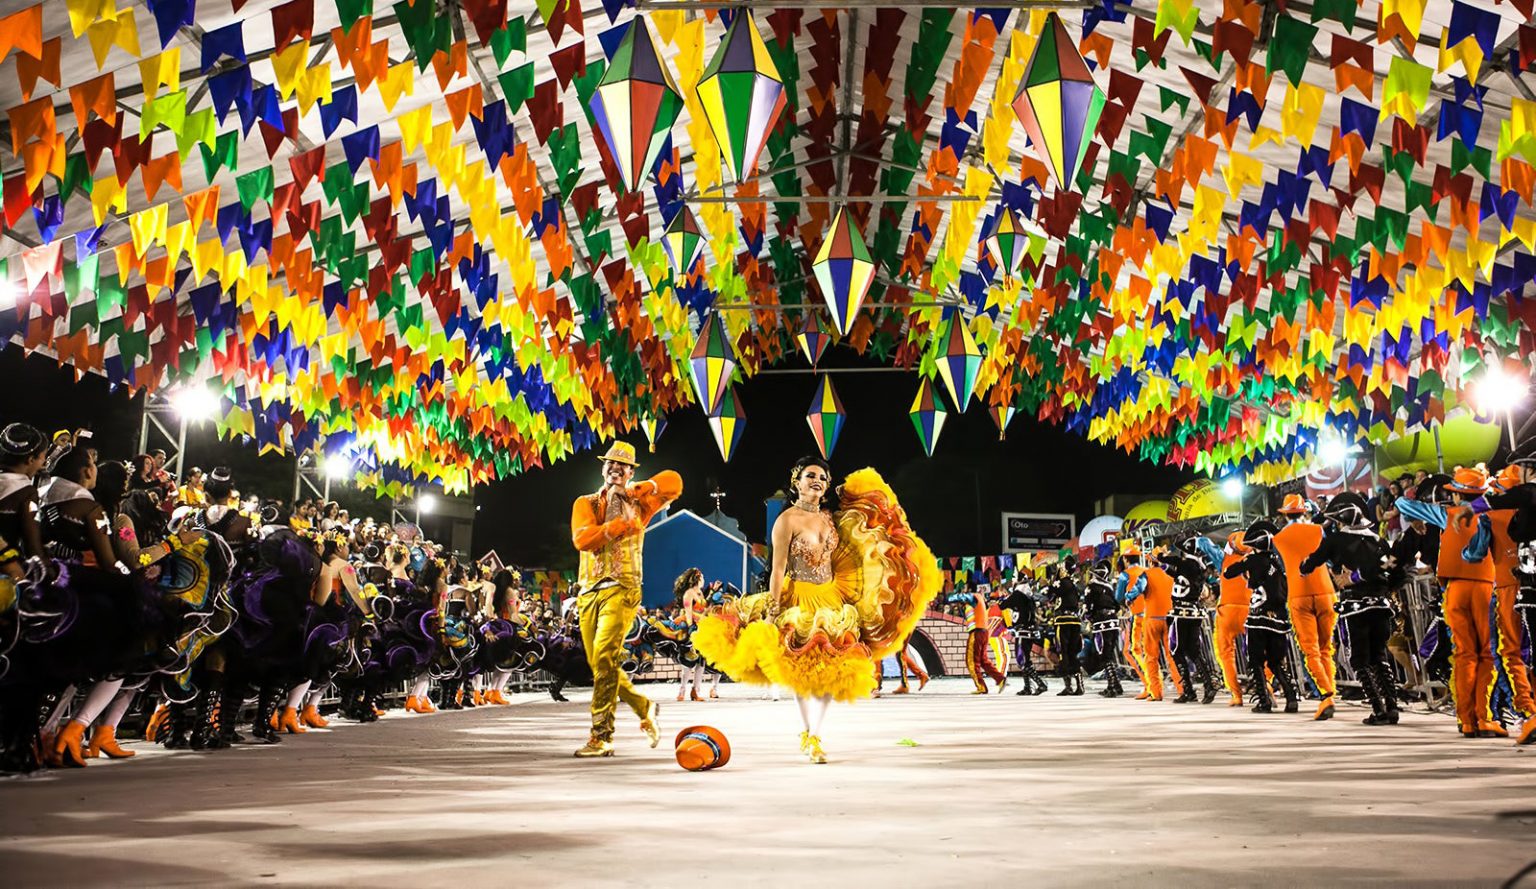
x: 846, y: 589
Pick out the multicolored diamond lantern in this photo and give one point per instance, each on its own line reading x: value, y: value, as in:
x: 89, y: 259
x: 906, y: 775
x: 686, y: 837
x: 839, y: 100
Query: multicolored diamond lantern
x: 636, y: 104
x: 928, y: 415
x: 712, y: 363
x: 844, y: 270
x: 1008, y: 243
x: 813, y: 338
x: 653, y: 427
x: 742, y: 94
x: 960, y: 363
x: 684, y: 242
x: 729, y: 425
x: 826, y: 417
x: 1058, y: 102
x: 1002, y: 415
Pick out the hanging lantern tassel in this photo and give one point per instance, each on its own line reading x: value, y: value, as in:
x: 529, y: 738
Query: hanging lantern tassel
x: 729, y: 425
x: 712, y: 363
x: 683, y: 242
x: 844, y: 270
x: 961, y: 362
x: 928, y: 415
x: 826, y: 417
x: 1058, y: 102
x: 636, y: 103
x: 742, y: 95
x: 813, y: 338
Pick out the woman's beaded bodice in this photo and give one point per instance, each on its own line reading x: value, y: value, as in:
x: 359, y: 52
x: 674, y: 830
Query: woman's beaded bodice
x: 810, y: 558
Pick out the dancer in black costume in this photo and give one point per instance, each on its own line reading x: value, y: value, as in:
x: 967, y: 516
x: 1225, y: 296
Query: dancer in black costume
x: 1269, y: 621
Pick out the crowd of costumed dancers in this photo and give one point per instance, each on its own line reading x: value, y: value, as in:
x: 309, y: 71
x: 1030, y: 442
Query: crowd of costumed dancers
x: 1328, y: 574
x: 226, y: 621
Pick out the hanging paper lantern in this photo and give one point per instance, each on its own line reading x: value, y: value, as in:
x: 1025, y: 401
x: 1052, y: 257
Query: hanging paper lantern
x: 729, y: 425
x: 826, y: 417
x: 813, y: 338
x: 742, y: 94
x: 1002, y: 415
x: 684, y: 242
x: 636, y: 103
x: 928, y: 415
x: 653, y: 427
x: 1058, y: 102
x: 712, y: 363
x: 1008, y: 243
x: 960, y: 363
x: 844, y: 270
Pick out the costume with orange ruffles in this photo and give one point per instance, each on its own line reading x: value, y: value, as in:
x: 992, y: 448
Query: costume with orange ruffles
x: 825, y: 638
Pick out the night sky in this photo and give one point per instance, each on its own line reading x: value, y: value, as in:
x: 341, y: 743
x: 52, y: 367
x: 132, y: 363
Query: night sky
x: 1039, y: 468
x: 953, y: 499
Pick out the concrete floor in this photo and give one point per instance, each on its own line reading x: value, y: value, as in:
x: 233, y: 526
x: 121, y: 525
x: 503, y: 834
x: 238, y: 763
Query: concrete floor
x: 1000, y: 791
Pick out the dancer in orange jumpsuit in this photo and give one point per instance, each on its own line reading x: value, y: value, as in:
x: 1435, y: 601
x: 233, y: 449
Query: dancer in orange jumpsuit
x: 1152, y: 587
x: 1159, y: 598
x: 1467, y: 572
x: 1310, y: 598
x: 1509, y: 630
x: 1129, y: 589
x: 1231, y: 615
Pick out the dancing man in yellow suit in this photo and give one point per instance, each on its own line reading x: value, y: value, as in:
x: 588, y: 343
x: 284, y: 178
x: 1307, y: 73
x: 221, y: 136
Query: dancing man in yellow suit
x: 608, y: 528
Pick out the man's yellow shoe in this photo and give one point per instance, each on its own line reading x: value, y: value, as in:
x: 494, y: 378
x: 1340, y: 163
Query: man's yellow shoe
x: 649, y: 725
x: 595, y: 748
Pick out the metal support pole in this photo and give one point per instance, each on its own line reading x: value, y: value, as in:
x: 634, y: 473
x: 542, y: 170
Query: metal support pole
x: 1439, y: 451
x: 181, y: 446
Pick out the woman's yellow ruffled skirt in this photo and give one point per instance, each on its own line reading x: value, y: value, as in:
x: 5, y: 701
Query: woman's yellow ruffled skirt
x: 829, y: 636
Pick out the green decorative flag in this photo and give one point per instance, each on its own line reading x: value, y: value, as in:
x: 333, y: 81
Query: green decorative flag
x: 1058, y: 102
x: 742, y: 94
x: 636, y: 104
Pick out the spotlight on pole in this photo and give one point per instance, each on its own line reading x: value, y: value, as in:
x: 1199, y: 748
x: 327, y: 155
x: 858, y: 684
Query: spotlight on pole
x: 1333, y: 452
x: 1499, y: 391
x: 195, y: 404
x: 1232, y: 487
x: 425, y: 504
x: 337, y: 467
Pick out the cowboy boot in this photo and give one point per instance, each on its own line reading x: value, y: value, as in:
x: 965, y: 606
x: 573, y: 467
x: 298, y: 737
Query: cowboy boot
x: 1288, y: 685
x: 1388, y: 685
x: 288, y: 721
x: 311, y: 717
x: 1208, y: 679
x: 156, y: 724
x: 206, y: 719
x: 1370, y: 683
x: 104, y: 740
x: 66, y: 745
x: 266, y: 705
x: 178, y: 721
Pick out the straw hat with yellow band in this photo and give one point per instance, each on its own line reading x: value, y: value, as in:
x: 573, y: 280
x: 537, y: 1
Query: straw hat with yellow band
x: 620, y: 452
x: 1294, y: 504
x: 1469, y: 480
